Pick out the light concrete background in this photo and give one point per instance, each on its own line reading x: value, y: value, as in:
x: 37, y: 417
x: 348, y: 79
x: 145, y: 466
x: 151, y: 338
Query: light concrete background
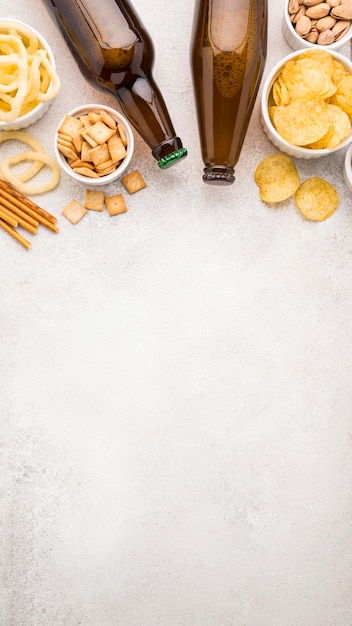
x: 176, y: 388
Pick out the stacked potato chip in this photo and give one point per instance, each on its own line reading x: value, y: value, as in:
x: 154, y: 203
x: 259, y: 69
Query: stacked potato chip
x: 312, y: 101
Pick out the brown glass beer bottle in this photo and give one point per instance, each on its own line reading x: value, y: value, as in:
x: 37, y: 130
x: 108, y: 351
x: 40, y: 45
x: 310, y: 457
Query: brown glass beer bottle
x: 228, y: 54
x: 116, y: 54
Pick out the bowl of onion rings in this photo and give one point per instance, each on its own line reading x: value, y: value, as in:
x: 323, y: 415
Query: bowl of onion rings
x: 28, y: 78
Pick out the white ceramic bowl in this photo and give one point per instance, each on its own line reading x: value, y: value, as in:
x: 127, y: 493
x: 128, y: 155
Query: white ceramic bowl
x: 108, y: 178
x: 270, y: 130
x: 347, y: 171
x: 297, y: 43
x: 37, y: 112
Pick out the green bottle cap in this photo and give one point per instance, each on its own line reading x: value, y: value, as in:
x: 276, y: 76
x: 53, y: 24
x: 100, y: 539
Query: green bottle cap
x: 170, y: 159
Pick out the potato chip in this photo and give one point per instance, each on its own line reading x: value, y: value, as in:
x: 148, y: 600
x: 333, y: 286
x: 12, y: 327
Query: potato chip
x: 277, y: 178
x: 308, y: 77
x: 302, y: 122
x: 316, y: 199
x: 340, y: 123
x: 343, y: 95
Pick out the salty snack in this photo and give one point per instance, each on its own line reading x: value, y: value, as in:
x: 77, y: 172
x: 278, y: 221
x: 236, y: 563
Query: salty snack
x: 302, y: 97
x: 316, y: 199
x: 93, y: 144
x: 27, y: 75
x: 37, y: 157
x: 18, y: 210
x: 116, y: 204
x: 94, y: 200
x: 134, y: 181
x: 74, y: 211
x: 320, y: 22
x: 277, y: 178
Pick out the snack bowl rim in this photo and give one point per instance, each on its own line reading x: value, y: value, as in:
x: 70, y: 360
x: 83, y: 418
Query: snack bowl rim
x: 38, y: 111
x: 296, y: 42
x: 271, y: 132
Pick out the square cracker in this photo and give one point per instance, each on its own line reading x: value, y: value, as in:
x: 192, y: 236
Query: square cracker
x: 94, y: 200
x: 70, y: 126
x: 74, y: 211
x: 116, y: 204
x: 116, y: 148
x: 100, y: 132
x: 134, y: 181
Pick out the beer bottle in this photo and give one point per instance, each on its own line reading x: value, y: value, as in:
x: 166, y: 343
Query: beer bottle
x: 228, y: 54
x: 116, y: 54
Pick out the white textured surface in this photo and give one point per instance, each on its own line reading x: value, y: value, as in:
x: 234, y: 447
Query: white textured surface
x: 176, y: 389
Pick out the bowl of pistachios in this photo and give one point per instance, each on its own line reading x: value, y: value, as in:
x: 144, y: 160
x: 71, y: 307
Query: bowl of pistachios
x: 312, y: 23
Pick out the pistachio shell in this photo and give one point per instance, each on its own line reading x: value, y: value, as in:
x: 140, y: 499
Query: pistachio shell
x: 300, y: 13
x: 293, y: 7
x: 333, y: 3
x: 312, y: 36
x: 340, y: 29
x: 325, y: 38
x: 325, y: 23
x: 311, y: 3
x: 319, y: 10
x: 303, y: 26
x: 342, y: 12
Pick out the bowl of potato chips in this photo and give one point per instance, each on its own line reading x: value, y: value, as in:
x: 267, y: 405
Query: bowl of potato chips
x: 94, y: 144
x: 28, y: 79
x: 306, y: 103
x: 308, y: 23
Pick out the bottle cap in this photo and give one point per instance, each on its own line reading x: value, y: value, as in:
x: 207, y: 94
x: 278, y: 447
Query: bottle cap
x: 219, y: 175
x: 171, y: 158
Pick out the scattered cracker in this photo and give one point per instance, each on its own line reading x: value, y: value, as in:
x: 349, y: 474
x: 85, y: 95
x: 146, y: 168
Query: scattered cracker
x: 116, y: 204
x: 74, y: 211
x: 94, y: 200
x: 134, y: 181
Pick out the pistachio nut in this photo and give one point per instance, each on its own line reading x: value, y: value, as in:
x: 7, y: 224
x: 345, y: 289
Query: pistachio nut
x: 293, y: 6
x: 318, y: 10
x: 342, y: 12
x: 325, y: 23
x: 340, y: 29
x: 301, y: 11
x: 325, y: 38
x: 333, y: 3
x: 312, y: 36
x: 303, y: 26
x: 311, y: 3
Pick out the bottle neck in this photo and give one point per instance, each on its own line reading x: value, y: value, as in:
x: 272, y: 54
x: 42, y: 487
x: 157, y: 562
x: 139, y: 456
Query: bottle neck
x: 143, y: 105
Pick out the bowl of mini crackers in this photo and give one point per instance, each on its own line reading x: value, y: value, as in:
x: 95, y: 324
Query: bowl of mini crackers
x: 94, y: 144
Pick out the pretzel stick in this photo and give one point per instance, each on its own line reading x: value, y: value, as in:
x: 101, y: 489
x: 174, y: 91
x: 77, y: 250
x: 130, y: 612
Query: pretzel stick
x: 21, y: 221
x: 25, y: 202
x: 8, y: 218
x: 14, y: 209
x: 15, y: 235
x: 37, y: 217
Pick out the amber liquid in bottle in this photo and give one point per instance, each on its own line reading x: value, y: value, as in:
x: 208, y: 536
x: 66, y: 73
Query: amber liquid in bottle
x: 228, y: 53
x: 116, y: 54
